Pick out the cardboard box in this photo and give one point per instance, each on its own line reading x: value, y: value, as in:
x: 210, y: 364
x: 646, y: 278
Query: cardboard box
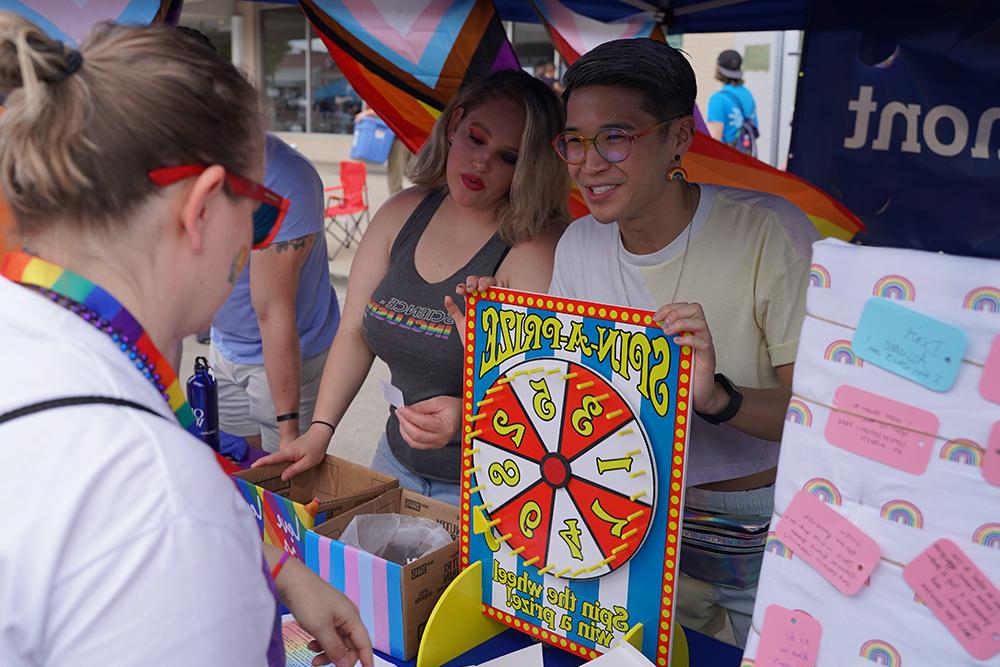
x: 395, y: 601
x: 279, y: 506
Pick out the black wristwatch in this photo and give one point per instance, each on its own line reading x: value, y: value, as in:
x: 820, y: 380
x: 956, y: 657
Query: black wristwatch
x: 728, y: 412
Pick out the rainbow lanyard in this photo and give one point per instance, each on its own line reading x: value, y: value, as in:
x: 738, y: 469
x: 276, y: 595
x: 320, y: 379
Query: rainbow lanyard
x: 95, y: 305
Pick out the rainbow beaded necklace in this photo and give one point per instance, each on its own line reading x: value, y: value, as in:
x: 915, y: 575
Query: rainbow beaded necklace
x: 96, y: 306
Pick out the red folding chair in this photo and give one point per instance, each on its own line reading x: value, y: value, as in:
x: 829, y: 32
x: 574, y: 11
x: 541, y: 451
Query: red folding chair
x: 348, y: 209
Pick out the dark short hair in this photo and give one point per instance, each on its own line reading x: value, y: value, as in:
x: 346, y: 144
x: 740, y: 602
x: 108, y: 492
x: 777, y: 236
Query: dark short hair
x: 660, y: 74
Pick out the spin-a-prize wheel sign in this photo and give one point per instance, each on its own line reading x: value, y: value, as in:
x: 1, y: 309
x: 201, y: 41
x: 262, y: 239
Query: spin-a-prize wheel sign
x: 575, y: 438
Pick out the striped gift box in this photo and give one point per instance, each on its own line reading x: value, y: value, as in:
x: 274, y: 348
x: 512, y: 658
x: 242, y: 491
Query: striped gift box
x: 394, y: 600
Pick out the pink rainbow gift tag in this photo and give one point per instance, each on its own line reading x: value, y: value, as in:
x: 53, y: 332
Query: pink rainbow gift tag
x: 991, y: 460
x: 296, y: 640
x: 829, y: 543
x: 882, y: 429
x: 961, y: 596
x: 989, y: 381
x: 788, y: 639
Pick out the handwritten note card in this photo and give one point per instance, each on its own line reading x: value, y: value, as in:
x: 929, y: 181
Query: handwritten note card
x: 788, y: 639
x: 881, y: 429
x: 526, y: 657
x: 911, y: 344
x: 829, y: 543
x: 989, y: 381
x: 393, y: 396
x: 623, y: 655
x: 991, y: 462
x: 960, y: 595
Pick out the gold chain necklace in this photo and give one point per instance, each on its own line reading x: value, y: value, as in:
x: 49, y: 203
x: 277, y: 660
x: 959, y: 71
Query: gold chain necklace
x: 680, y: 275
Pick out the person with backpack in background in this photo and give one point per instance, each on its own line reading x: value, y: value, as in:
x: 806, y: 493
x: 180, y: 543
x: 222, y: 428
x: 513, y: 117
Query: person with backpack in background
x: 732, y: 112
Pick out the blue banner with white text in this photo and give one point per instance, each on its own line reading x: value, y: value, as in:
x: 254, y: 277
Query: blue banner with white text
x: 898, y: 116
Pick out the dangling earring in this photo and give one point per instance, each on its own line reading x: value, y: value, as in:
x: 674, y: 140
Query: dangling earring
x: 677, y: 173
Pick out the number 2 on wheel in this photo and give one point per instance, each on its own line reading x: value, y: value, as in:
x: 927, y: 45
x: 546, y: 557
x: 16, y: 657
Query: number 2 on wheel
x: 503, y: 427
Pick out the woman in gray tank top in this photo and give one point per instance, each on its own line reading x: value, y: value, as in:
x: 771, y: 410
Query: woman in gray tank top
x: 489, y: 200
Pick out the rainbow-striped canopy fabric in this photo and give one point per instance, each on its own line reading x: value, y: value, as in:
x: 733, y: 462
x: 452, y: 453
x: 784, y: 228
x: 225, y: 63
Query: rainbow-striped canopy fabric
x: 708, y: 160
x: 70, y: 20
x: 407, y: 60
x: 574, y: 34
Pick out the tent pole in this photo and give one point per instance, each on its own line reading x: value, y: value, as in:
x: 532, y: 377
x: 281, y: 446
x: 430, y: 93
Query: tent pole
x: 777, y: 78
x: 644, y: 6
x: 309, y: 93
x: 702, y: 6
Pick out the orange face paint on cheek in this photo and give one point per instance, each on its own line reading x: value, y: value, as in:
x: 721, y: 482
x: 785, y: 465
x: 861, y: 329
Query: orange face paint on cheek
x: 239, y: 261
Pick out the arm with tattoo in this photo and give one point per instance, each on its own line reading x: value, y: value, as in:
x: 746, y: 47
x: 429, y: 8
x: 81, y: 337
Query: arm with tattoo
x: 274, y: 284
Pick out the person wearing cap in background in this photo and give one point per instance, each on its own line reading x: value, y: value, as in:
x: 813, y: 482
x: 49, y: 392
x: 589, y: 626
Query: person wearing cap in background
x: 732, y: 112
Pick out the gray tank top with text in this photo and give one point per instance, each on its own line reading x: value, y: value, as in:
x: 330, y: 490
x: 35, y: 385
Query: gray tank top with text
x: 406, y: 326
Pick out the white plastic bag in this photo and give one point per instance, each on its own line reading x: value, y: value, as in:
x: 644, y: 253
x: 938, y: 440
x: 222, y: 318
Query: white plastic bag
x: 398, y: 538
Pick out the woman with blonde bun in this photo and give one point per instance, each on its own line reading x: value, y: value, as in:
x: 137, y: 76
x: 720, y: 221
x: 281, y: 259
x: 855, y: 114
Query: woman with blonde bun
x: 131, y: 169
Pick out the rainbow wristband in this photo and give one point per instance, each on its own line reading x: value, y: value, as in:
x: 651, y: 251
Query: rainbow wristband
x: 276, y: 570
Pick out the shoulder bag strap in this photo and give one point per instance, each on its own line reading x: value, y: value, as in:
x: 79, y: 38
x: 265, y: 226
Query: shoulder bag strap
x: 41, y: 406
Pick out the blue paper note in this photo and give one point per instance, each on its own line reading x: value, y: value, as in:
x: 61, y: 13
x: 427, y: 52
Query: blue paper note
x: 911, y: 344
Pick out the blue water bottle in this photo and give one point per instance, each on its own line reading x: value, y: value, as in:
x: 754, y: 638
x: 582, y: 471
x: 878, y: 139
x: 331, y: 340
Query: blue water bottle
x: 203, y: 397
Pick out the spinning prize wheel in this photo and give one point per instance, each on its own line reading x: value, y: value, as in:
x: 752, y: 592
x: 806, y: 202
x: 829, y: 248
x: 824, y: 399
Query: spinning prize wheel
x: 564, y: 469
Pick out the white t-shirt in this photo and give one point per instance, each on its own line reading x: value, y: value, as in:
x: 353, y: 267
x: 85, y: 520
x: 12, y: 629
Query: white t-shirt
x: 747, y: 264
x: 122, y: 542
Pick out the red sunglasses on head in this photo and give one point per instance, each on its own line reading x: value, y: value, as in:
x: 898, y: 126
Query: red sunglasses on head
x: 267, y: 218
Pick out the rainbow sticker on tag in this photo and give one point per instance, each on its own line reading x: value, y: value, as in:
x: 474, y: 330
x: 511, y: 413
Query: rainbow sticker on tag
x: 910, y: 344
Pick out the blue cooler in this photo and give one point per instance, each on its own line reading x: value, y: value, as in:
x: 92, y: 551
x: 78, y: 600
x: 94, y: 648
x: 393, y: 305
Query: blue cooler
x: 372, y: 140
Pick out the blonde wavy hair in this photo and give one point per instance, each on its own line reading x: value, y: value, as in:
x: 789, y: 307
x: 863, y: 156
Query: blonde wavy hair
x: 83, y: 128
x: 538, y: 193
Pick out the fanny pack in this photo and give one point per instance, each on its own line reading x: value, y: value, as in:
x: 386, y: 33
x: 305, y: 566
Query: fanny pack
x: 723, y: 549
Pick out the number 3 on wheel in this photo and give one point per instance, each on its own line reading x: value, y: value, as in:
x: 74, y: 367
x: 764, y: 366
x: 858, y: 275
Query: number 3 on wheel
x: 582, y: 418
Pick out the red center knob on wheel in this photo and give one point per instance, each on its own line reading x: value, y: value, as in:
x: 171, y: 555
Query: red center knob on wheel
x: 555, y: 470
